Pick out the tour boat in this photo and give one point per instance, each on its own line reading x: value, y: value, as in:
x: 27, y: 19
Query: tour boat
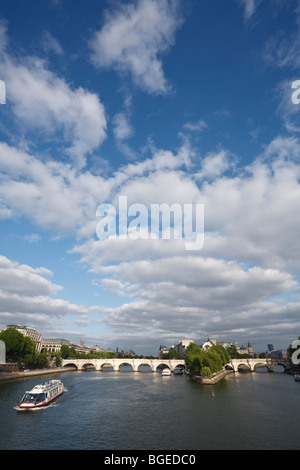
x: 166, y: 371
x: 42, y: 394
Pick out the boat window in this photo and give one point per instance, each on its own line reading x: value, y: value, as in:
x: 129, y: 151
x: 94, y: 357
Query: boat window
x: 34, y: 397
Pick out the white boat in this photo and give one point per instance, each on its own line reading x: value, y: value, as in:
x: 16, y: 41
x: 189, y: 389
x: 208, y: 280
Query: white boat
x: 166, y: 371
x: 42, y: 394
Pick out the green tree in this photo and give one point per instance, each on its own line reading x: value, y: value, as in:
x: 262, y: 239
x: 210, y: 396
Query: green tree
x: 65, y: 351
x: 17, y: 345
x: 206, y: 372
x: 21, y: 349
x: 206, y: 362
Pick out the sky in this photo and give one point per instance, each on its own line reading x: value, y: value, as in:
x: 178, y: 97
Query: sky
x: 185, y: 102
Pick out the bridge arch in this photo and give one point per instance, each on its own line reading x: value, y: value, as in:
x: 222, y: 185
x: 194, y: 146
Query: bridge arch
x: 88, y: 365
x: 281, y: 364
x: 263, y: 365
x: 162, y: 365
x: 243, y: 367
x: 144, y: 367
x: 70, y: 364
x: 125, y: 363
x: 105, y: 365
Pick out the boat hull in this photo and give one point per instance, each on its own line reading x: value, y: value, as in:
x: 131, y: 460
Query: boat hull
x: 28, y: 406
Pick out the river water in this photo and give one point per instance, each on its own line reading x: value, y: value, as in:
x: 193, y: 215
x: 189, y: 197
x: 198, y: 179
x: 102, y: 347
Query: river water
x: 145, y: 411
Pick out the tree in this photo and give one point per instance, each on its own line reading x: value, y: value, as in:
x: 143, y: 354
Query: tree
x: 206, y: 372
x: 206, y: 362
x: 17, y: 345
x: 65, y: 351
x: 21, y: 349
x: 172, y: 354
x: 223, y: 353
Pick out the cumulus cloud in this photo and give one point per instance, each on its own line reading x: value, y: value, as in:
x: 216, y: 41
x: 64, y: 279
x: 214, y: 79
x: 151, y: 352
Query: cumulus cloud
x: 44, y: 102
x: 250, y: 255
x: 133, y: 38
x: 26, y: 296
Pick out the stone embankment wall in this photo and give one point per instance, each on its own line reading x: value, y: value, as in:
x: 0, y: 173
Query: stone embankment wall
x: 17, y: 375
x: 210, y: 380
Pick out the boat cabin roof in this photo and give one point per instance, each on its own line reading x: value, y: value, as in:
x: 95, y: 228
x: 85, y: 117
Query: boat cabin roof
x: 44, y: 386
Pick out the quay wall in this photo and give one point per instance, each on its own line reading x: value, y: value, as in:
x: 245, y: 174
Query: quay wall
x: 32, y: 373
x: 210, y: 380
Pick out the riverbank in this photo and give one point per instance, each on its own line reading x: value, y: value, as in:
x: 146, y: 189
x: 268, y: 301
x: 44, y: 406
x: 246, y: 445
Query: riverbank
x: 32, y: 373
x: 210, y: 380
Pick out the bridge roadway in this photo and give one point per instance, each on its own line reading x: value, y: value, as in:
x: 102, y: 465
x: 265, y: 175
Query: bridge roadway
x: 98, y: 364
x: 235, y: 364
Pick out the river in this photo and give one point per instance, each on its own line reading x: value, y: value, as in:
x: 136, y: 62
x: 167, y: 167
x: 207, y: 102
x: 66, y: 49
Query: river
x: 145, y: 411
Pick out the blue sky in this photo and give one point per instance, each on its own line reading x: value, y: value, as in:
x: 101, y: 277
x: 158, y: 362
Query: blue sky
x: 169, y: 101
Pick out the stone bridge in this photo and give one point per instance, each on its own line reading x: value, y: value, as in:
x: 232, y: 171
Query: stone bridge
x: 136, y: 364
x: 251, y: 364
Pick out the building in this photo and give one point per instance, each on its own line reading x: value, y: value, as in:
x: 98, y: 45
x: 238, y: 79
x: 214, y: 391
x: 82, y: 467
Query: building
x: 245, y: 350
x: 163, y: 350
x: 278, y: 354
x: 208, y: 344
x: 54, y: 345
x: 27, y: 331
x: 226, y: 344
x: 180, y: 349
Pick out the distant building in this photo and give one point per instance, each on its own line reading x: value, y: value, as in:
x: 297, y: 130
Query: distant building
x: 54, y: 345
x: 180, y: 349
x: 270, y: 347
x: 226, y: 344
x: 31, y: 333
x: 163, y: 350
x: 246, y: 350
x: 278, y: 354
x: 208, y: 344
x: 81, y: 348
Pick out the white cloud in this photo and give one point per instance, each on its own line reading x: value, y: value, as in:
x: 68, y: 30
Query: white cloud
x: 249, y: 260
x: 122, y: 128
x: 26, y: 296
x: 18, y: 278
x: 214, y: 165
x: 197, y: 126
x: 251, y: 249
x: 134, y: 37
x: 42, y: 101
